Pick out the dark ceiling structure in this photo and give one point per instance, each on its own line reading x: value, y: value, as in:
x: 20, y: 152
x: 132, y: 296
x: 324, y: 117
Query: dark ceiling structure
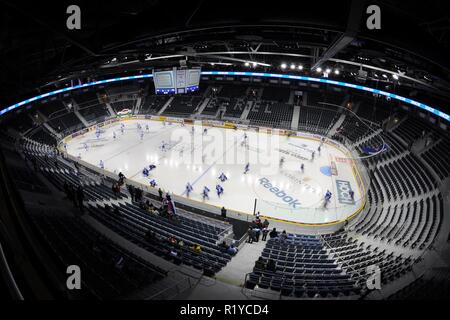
x: 37, y: 51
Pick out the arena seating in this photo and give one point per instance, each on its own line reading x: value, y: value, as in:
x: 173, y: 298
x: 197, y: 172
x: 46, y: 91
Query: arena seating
x: 109, y: 271
x: 271, y: 113
x: 21, y: 122
x: 182, y: 106
x: 319, y: 98
x: 42, y: 136
x: 235, y: 110
x: 303, y: 269
x: 65, y: 123
x: 52, y: 108
x: 410, y: 129
x: 316, y: 120
x: 276, y: 94
x: 152, y: 104
x: 437, y: 157
x: 354, y: 129
x: 90, y: 107
x: 191, y: 231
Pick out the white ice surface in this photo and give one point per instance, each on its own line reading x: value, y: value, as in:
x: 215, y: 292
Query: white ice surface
x: 199, y: 159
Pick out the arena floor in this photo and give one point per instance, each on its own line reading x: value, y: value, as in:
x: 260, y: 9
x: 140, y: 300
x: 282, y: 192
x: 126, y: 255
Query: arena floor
x: 282, y: 190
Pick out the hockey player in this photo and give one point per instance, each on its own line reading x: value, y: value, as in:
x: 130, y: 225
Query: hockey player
x: 142, y: 135
x: 102, y: 164
x: 151, y: 167
x: 327, y: 198
x: 189, y: 189
x: 205, y: 193
x: 86, y: 147
x: 312, y: 155
x: 145, y: 172
x: 281, y: 162
x: 122, y: 128
x: 205, y: 132
x: 247, y: 168
x: 319, y: 149
x: 114, y: 135
x: 219, y: 190
x: 223, y: 177
x: 153, y: 183
x: 147, y: 128
x: 302, y: 168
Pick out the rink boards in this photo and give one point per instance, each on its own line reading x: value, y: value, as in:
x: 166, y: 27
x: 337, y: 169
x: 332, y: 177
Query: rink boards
x: 337, y: 214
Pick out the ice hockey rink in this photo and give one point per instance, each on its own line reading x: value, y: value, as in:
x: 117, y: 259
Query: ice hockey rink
x: 186, y: 154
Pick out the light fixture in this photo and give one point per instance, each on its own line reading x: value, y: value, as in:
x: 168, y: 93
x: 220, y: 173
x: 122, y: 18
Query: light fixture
x: 247, y: 64
x: 319, y: 69
x: 385, y: 76
x: 292, y: 66
x: 328, y: 70
x: 336, y: 71
x: 395, y: 76
x: 300, y: 67
x: 283, y: 66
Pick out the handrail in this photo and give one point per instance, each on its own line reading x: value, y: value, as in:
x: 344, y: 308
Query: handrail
x: 9, y: 277
x: 176, y: 286
x: 335, y: 253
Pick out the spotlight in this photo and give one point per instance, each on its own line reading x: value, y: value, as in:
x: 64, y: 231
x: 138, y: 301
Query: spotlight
x: 385, y: 76
x: 336, y: 71
x: 292, y: 66
x: 283, y: 66
x: 395, y: 76
x: 300, y: 67
x: 328, y: 70
x: 247, y: 64
x: 319, y: 69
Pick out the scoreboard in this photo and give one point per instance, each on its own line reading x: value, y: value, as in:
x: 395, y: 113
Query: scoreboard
x: 176, y: 81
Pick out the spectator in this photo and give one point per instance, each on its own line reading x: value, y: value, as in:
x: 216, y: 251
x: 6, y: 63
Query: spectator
x: 196, y: 248
x: 160, y: 192
x: 283, y: 236
x: 257, y: 232
x: 232, y: 250
x: 131, y: 191
x: 115, y: 189
x: 250, y: 235
x: 273, y: 234
x: 172, y: 240
x: 223, y: 212
x: 265, y: 232
x: 224, y: 246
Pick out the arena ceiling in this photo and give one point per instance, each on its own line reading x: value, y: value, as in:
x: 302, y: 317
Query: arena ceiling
x: 38, y: 51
